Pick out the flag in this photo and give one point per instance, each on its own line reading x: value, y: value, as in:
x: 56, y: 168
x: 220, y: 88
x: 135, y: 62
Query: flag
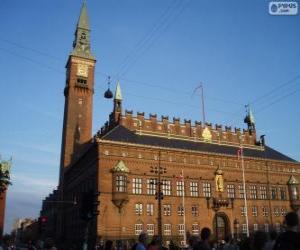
x: 239, y: 153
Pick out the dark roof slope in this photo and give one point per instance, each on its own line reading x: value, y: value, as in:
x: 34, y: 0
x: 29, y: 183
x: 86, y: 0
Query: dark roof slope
x: 122, y: 134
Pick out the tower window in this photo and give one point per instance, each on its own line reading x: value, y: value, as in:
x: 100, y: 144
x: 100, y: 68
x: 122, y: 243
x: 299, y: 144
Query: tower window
x: 81, y: 82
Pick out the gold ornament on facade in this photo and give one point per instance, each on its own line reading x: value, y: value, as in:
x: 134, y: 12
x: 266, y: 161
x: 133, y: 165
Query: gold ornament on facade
x: 219, y: 180
x: 206, y: 134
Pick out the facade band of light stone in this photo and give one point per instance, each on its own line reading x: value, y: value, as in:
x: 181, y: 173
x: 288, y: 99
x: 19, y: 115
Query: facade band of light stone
x: 209, y: 172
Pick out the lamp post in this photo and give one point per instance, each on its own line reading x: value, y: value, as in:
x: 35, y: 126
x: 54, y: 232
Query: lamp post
x: 158, y: 171
x: 236, y: 225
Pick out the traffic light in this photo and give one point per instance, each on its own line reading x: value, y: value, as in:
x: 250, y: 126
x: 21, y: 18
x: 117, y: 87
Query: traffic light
x: 89, y: 205
x: 43, y: 221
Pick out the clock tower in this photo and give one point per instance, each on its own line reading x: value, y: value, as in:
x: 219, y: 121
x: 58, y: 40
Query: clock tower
x: 79, y: 89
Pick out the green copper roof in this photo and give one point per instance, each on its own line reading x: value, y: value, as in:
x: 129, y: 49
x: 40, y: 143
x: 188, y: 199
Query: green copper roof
x: 120, y: 167
x: 251, y: 116
x: 83, y: 21
x: 82, y: 44
x: 118, y: 94
x: 293, y: 181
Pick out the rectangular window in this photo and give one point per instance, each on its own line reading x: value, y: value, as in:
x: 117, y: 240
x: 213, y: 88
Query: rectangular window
x: 136, y: 185
x: 277, y: 227
x: 273, y: 193
x: 276, y: 211
x: 195, y: 210
x: 206, y: 189
x: 167, y: 210
x: 253, y: 192
x: 121, y: 183
x: 244, y: 228
x: 180, y: 188
x: 243, y: 211
x: 167, y: 229
x: 241, y: 192
x: 282, y: 193
x: 230, y: 191
x: 181, y: 230
x: 150, y: 229
x: 180, y: 210
x: 138, y: 228
x: 254, y: 211
x: 166, y: 187
x: 194, y: 189
x: 151, y: 186
x: 150, y: 209
x: 255, y: 227
x: 265, y: 211
x: 195, y: 228
x: 81, y: 82
x: 138, y: 208
x: 266, y: 228
x: 263, y: 192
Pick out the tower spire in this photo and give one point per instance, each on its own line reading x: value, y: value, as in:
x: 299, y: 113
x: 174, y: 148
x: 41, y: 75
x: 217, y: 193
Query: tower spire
x: 249, y: 119
x: 81, y: 44
x: 118, y: 93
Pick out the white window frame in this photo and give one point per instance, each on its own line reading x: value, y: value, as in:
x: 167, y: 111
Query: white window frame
x: 150, y: 209
x: 167, y: 229
x: 167, y: 209
x: 254, y: 211
x: 194, y: 189
x: 138, y: 208
x: 179, y: 188
x: 181, y: 229
x: 195, y: 228
x: 137, y: 185
x: 138, y: 228
x: 166, y: 187
x: 151, y: 186
x: 206, y: 189
x: 180, y: 210
x: 150, y: 229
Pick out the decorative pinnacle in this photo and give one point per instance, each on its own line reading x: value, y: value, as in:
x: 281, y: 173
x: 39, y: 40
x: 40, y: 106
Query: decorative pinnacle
x: 118, y: 94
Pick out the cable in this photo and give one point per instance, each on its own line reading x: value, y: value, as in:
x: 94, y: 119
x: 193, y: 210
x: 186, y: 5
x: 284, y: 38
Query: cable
x: 275, y: 89
x: 135, y: 59
x: 147, y: 36
x: 278, y: 100
x: 32, y: 60
x: 31, y: 49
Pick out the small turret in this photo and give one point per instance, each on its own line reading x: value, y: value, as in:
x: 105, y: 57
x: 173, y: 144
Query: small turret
x: 249, y: 120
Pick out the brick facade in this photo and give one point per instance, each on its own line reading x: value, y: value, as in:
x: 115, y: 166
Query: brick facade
x: 118, y: 160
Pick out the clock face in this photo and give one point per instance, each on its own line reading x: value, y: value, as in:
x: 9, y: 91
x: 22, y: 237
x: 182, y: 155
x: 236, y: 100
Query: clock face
x: 82, y: 70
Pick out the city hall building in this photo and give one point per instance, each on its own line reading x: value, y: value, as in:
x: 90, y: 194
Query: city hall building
x: 161, y: 175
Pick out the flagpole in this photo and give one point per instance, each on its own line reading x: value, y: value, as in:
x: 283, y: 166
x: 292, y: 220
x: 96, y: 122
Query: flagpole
x: 184, y: 233
x: 244, y: 187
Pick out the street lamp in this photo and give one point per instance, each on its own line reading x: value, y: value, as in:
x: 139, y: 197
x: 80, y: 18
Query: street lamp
x: 236, y: 225
x: 158, y: 171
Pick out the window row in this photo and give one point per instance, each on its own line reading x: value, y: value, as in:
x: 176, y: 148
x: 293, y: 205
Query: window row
x: 167, y: 229
x: 265, y: 227
x: 233, y: 191
x: 277, y: 211
x: 166, y: 209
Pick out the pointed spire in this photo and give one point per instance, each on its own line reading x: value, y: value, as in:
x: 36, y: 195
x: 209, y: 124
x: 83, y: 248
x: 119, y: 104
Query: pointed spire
x: 81, y: 44
x: 251, y: 116
x: 118, y: 94
x: 83, y: 21
x: 249, y: 119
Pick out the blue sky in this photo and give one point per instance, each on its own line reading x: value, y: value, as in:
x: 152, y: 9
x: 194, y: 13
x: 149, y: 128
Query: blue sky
x: 160, y: 51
